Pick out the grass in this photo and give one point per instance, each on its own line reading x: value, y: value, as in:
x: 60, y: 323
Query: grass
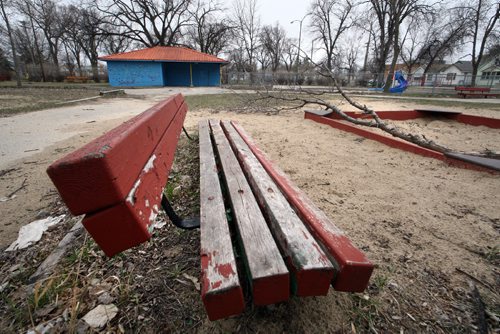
x: 34, y: 96
x: 243, y: 102
x: 54, y: 85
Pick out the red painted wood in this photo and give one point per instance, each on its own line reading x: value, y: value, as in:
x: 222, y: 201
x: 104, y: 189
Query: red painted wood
x: 129, y: 223
x: 478, y: 120
x: 403, y: 115
x: 102, y: 172
x: 375, y: 136
x: 354, y: 269
x: 396, y: 143
x: 311, y: 269
x: 270, y: 290
x: 472, y: 89
x: 400, y: 115
x: 221, y: 290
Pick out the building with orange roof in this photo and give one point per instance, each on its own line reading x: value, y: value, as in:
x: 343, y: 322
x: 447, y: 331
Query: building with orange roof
x: 163, y: 66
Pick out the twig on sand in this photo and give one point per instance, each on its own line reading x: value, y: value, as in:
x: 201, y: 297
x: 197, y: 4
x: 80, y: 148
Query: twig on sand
x: 7, y: 171
x: 23, y: 185
x: 476, y: 279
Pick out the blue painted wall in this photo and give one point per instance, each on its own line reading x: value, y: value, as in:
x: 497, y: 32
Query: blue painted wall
x: 145, y: 73
x: 206, y: 74
x: 176, y: 74
x: 135, y: 73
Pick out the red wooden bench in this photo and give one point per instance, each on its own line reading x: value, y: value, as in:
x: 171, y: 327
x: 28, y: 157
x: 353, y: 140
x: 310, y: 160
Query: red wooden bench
x: 474, y: 92
x: 81, y: 79
x: 117, y: 180
x: 286, y: 245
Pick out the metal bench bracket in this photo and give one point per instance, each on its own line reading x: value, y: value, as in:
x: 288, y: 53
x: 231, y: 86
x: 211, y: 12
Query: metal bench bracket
x: 185, y: 224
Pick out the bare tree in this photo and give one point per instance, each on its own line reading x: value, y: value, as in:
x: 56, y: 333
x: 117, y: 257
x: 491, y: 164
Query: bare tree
x: 115, y: 41
x: 5, y: 17
x: 72, y: 34
x: 329, y: 20
x: 45, y: 15
x: 149, y: 22
x: 441, y: 40
x: 91, y: 36
x: 272, y: 40
x: 390, y: 15
x: 209, y: 33
x: 410, y: 45
x: 289, y: 53
x: 263, y: 58
x: 485, y: 15
x: 349, y: 54
x: 26, y: 8
x: 247, y: 23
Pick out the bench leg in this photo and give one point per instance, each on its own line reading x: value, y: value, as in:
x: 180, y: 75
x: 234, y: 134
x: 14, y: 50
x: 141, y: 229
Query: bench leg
x: 185, y: 224
x: 187, y: 134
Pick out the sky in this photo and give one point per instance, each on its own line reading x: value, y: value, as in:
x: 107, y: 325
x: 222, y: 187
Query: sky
x: 285, y: 11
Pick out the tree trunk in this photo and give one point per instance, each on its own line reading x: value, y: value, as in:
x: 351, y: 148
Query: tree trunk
x: 35, y: 38
x: 95, y: 70
x: 12, y: 45
x: 390, y: 75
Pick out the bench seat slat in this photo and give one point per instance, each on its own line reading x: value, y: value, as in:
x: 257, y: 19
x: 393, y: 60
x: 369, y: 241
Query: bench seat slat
x: 221, y: 291
x: 129, y: 223
x: 101, y: 173
x: 354, y: 269
x: 311, y: 270
x: 267, y: 272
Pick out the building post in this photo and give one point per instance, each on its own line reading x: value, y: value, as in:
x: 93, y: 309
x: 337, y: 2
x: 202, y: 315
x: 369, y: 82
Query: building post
x: 191, y: 73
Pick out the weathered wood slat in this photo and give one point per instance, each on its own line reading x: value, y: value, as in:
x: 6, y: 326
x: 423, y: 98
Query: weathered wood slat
x: 102, y: 172
x: 311, y: 270
x: 221, y: 291
x: 354, y: 269
x: 129, y: 223
x: 268, y: 274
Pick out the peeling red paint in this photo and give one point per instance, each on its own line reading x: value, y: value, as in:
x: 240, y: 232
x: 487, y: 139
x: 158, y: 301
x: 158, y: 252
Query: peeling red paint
x: 215, y: 285
x: 226, y: 270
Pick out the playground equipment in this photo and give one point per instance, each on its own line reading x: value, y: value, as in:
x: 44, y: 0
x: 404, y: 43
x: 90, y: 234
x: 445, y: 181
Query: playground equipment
x: 402, y: 83
x: 401, y: 86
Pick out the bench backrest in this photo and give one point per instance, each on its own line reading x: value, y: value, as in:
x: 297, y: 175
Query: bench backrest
x: 117, y: 179
x: 472, y: 89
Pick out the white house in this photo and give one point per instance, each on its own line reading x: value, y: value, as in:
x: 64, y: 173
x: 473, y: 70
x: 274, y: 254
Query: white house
x: 488, y: 73
x: 457, y: 74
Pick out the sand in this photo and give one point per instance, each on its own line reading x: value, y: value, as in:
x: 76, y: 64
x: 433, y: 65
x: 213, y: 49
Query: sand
x: 416, y: 218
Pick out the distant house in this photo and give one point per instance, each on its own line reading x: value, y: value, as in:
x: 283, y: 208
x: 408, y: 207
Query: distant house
x: 163, y: 66
x: 489, y: 72
x: 457, y: 74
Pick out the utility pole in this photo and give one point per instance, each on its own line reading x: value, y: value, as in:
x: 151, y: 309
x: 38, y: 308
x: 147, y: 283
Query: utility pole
x: 298, y: 49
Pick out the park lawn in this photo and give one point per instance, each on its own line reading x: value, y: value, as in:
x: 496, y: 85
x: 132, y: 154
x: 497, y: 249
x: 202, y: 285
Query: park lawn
x: 20, y: 100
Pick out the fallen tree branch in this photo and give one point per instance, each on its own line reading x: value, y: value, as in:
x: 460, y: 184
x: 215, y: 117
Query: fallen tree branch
x: 304, y: 98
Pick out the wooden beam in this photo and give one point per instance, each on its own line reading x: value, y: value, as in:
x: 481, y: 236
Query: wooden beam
x: 101, y: 173
x: 221, y: 291
x: 311, y: 270
x: 268, y: 274
x: 396, y: 143
x: 354, y: 269
x: 129, y: 223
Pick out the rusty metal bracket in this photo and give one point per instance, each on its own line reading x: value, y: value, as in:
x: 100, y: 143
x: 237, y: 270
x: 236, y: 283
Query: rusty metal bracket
x: 185, y: 224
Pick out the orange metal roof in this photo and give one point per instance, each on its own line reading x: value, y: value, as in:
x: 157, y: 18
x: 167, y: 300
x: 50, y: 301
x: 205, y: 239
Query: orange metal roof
x: 166, y: 53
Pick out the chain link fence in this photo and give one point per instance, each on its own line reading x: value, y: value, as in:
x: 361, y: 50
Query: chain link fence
x: 416, y: 81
